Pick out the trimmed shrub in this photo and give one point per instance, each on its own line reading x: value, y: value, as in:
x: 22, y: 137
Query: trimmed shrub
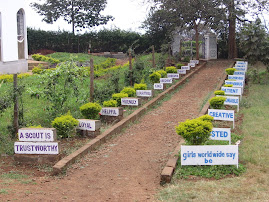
x: 118, y: 96
x: 129, y: 91
x: 163, y: 73
x: 219, y: 92
x: 179, y: 65
x: 110, y: 103
x: 45, y: 59
x: 206, y: 118
x: 90, y: 110
x: 230, y: 71
x: 155, y: 77
x: 65, y: 125
x: 195, y: 131
x: 228, y: 85
x: 217, y: 102
x: 140, y: 86
x: 37, y: 70
x: 186, y: 59
x: 171, y: 69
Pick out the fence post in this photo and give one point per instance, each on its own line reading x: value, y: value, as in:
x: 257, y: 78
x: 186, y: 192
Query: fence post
x: 153, y: 57
x: 130, y: 67
x: 91, y: 80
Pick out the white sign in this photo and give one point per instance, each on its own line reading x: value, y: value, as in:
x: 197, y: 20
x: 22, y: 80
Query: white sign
x: 221, y: 134
x: 36, y: 135
x: 222, y: 115
x: 241, y: 69
x: 241, y: 65
x: 181, y: 71
x: 158, y: 86
x: 185, y: 67
x: 89, y: 125
x: 191, y: 64
x: 173, y: 76
x: 236, y: 77
x: 110, y: 111
x: 144, y: 93
x: 36, y: 148
x: 130, y: 101
x: 166, y: 80
x: 230, y: 100
x: 242, y: 62
x: 209, y: 155
x: 232, y: 91
x: 235, y: 83
x: 243, y: 73
x: 194, y: 61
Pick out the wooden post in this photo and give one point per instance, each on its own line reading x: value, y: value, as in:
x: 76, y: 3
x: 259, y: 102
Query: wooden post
x: 91, y: 80
x: 169, y: 55
x: 130, y: 67
x: 16, y: 105
x: 153, y: 57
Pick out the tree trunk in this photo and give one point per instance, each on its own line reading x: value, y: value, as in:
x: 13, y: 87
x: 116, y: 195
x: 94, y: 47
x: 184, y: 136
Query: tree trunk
x: 73, y: 20
x: 231, y: 38
x: 196, y: 40
x: 91, y: 81
x: 130, y: 67
x: 153, y: 57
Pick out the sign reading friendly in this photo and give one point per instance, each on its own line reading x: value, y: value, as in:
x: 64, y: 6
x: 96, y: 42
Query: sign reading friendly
x: 110, y: 111
x: 166, y: 80
x: 144, y: 93
x: 222, y: 115
x: 89, y: 125
x: 185, y: 67
x: 37, y: 135
x: 173, y: 76
x: 221, y: 134
x: 209, y: 155
x: 158, y: 86
x: 130, y: 101
x: 181, y: 71
x: 36, y: 148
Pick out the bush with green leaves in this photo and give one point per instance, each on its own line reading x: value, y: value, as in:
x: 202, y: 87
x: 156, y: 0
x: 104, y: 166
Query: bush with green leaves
x: 90, y: 110
x: 65, y: 125
x: 228, y: 85
x: 195, y: 131
x: 45, y: 59
x: 163, y: 73
x: 206, y: 117
x: 118, y: 96
x: 129, y: 91
x: 155, y: 77
x: 37, y: 70
x: 179, y: 65
x: 171, y: 69
x: 217, y: 102
x: 219, y: 92
x: 110, y: 103
x: 140, y: 86
x: 230, y: 71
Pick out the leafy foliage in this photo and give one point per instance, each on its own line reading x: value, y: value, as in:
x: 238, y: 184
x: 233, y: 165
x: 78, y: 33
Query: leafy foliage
x: 155, y: 77
x: 230, y: 71
x: 217, y: 102
x: 163, y: 73
x: 118, y: 96
x: 90, y: 110
x: 219, y: 92
x: 171, y: 69
x: 110, y: 103
x: 140, y: 86
x: 129, y: 91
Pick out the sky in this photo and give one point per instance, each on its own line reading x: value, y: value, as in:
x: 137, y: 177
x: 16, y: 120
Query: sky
x: 128, y: 14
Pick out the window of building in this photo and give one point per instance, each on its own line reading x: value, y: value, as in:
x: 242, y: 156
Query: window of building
x: 20, y: 25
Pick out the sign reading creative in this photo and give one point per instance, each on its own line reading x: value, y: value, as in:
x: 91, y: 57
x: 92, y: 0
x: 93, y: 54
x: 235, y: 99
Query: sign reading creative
x: 144, y: 93
x: 221, y: 134
x: 36, y: 148
x: 209, y: 155
x: 130, y: 101
x: 158, y: 86
x: 89, y: 125
x: 37, y: 135
x: 185, y: 67
x: 110, y: 111
x: 173, y: 76
x: 222, y: 115
x: 181, y: 71
x: 166, y: 80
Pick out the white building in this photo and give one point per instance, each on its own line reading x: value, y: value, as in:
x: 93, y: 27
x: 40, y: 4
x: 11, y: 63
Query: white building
x: 13, y: 37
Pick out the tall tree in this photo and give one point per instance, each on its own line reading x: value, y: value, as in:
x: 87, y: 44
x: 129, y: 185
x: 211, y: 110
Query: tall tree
x: 79, y: 13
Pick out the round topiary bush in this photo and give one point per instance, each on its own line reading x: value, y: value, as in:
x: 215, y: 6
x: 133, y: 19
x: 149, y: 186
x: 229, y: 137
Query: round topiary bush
x: 206, y: 118
x: 230, y: 71
x: 155, y: 77
x: 118, y: 96
x: 90, y: 110
x: 179, y: 65
x: 171, y: 69
x: 110, y: 103
x: 219, y: 92
x: 195, y: 131
x: 217, y: 102
x: 129, y: 91
x: 140, y: 86
x: 228, y: 85
x: 163, y: 73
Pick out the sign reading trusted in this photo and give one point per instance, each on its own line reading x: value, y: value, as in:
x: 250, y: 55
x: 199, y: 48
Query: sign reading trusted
x: 181, y: 71
x: 191, y: 64
x: 194, y: 61
x: 110, y: 111
x: 222, y: 115
x: 144, y: 93
x: 221, y: 134
x: 37, y: 134
x: 185, y: 67
x: 166, y: 80
x: 235, y: 83
x: 36, y: 148
x: 232, y: 91
x: 243, y: 73
x: 89, y: 125
x: 130, y: 101
x: 237, y: 77
x: 173, y: 75
x: 158, y: 86
x: 209, y: 155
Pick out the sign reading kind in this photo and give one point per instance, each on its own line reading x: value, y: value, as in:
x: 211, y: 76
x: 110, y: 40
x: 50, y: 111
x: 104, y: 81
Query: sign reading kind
x: 158, y: 86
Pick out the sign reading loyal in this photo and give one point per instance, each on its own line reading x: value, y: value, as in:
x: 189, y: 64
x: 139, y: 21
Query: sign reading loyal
x: 222, y: 115
x: 209, y: 155
x: 37, y: 134
x: 221, y: 134
x: 89, y: 125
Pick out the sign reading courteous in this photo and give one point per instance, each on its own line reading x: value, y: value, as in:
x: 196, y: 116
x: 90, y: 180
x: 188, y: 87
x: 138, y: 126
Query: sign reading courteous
x: 232, y: 91
x: 235, y: 84
x: 144, y: 93
x: 209, y: 155
x: 36, y: 148
x: 110, y: 111
x: 158, y: 86
x: 37, y: 135
x: 130, y: 101
x: 185, y: 67
x: 173, y: 76
x: 242, y: 73
x: 221, y: 134
x: 237, y: 77
x: 222, y: 115
x: 166, y: 80
x: 89, y: 125
x: 181, y: 71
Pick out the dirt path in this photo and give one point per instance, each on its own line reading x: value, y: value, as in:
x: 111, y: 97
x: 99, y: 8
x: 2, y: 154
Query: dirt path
x: 128, y: 167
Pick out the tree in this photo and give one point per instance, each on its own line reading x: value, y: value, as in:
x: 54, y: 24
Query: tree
x: 79, y: 13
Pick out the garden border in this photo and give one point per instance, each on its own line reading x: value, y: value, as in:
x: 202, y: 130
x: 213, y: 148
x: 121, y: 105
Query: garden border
x: 117, y: 128
x: 168, y: 171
